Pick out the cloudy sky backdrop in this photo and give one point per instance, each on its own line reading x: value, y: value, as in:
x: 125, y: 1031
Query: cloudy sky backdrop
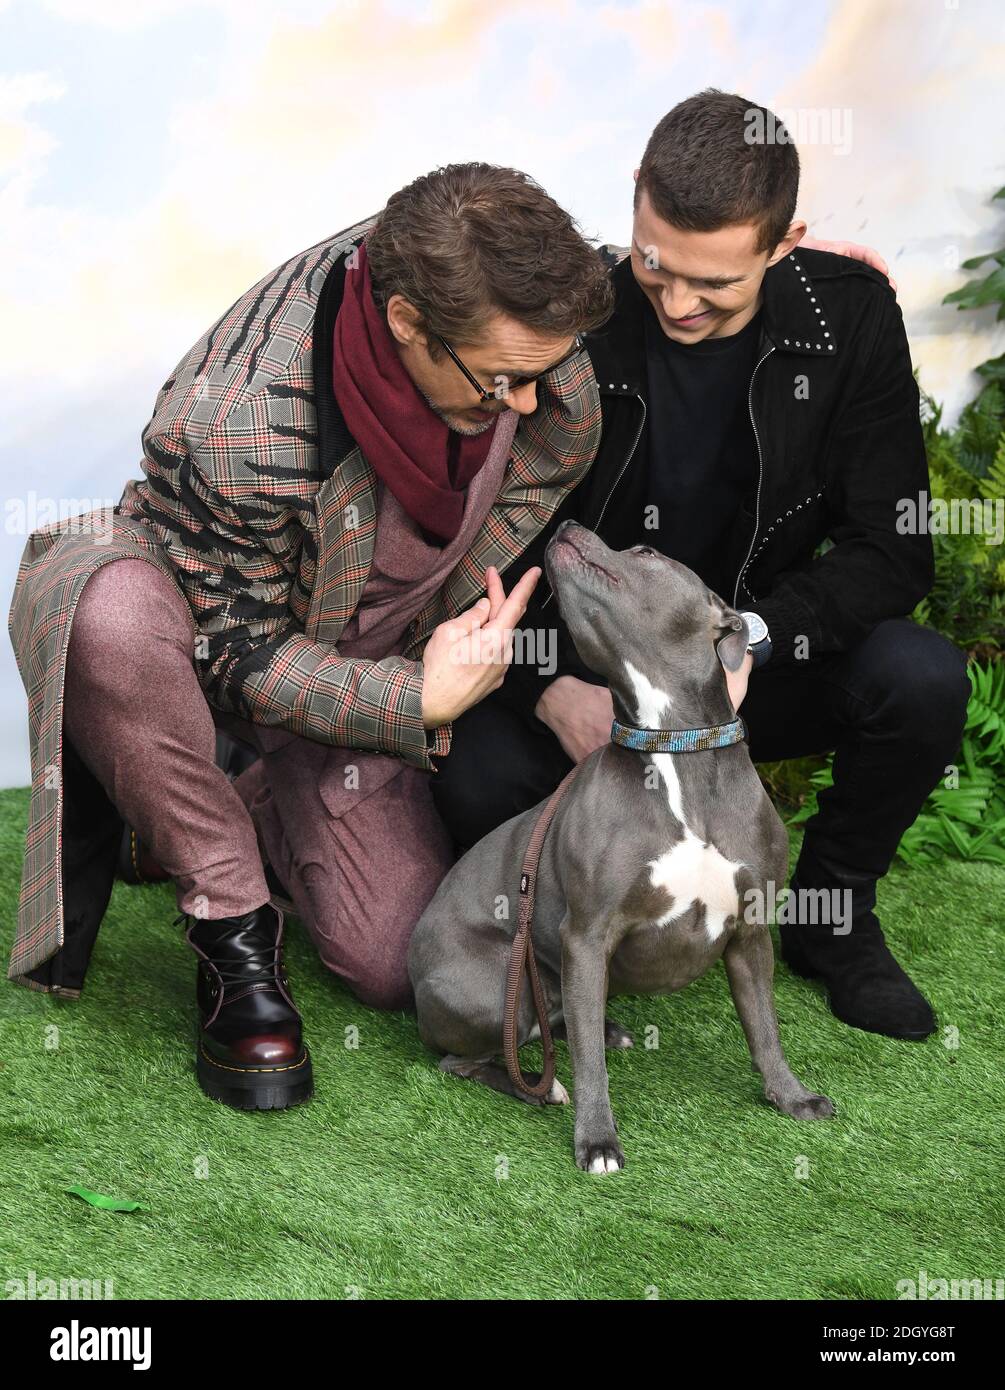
x: 157, y: 157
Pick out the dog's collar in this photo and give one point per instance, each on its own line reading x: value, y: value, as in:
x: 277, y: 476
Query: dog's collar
x: 677, y: 740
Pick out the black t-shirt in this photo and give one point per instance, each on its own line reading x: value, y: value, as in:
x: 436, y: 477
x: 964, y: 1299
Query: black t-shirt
x: 697, y: 459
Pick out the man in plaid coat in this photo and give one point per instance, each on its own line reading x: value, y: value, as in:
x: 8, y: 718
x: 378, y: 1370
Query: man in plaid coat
x: 334, y: 477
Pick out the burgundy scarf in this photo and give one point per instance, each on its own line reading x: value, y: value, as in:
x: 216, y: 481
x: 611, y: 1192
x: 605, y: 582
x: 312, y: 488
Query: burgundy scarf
x: 426, y: 465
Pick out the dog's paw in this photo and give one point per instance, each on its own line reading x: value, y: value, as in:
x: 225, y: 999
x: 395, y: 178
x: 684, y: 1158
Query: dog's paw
x: 599, y: 1155
x: 806, y: 1106
x: 558, y: 1095
x: 615, y: 1036
x: 818, y: 1108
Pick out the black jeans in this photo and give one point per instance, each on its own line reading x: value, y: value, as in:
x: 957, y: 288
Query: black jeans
x: 892, y: 711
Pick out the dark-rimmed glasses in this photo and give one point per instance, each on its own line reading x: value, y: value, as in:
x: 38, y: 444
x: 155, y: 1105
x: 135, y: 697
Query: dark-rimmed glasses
x: 513, y: 383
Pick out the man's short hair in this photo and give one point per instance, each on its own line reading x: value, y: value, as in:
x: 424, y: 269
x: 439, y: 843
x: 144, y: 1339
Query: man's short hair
x: 718, y: 160
x: 469, y: 241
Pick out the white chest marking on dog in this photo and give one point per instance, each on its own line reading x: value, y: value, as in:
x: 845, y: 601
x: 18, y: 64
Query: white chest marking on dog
x: 692, y: 871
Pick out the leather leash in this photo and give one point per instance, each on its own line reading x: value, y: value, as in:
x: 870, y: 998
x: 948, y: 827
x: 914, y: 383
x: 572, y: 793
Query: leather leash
x: 522, y: 957
x: 522, y: 952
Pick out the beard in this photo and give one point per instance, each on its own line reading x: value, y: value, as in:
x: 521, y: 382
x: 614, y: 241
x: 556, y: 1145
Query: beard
x: 470, y: 430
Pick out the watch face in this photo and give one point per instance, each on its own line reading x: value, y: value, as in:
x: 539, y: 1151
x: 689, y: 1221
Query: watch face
x: 756, y: 627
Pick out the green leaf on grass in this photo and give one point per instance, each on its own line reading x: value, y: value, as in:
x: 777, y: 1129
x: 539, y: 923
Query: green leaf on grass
x: 98, y: 1199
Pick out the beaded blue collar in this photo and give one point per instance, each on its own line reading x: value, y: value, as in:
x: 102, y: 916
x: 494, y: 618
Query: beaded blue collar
x: 677, y: 740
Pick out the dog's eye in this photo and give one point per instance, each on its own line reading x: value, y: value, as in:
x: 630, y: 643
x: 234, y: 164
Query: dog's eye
x: 644, y: 550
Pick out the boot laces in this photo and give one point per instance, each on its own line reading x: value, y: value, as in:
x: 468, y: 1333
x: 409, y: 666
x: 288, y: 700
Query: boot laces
x: 266, y: 960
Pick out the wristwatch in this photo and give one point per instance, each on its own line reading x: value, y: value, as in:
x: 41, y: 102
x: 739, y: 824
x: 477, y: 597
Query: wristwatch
x: 760, y: 642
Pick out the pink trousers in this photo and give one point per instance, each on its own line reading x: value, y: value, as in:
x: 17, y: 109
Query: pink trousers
x: 354, y: 836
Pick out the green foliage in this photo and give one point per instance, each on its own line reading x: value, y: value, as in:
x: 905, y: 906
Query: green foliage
x: 965, y: 815
x: 988, y: 289
x: 967, y: 601
x: 790, y: 781
x: 993, y: 369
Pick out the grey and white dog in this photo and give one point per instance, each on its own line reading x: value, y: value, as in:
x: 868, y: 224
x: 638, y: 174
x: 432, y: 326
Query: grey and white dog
x: 650, y: 865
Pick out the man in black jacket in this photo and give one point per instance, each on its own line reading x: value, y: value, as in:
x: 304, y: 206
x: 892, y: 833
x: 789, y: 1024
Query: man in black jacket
x: 760, y: 424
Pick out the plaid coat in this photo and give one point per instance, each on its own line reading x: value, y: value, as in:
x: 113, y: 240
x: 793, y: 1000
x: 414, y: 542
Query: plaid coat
x: 258, y: 503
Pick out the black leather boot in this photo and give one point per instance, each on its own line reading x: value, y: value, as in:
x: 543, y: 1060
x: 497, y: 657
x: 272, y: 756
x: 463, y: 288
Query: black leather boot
x: 250, y: 1053
x: 866, y: 987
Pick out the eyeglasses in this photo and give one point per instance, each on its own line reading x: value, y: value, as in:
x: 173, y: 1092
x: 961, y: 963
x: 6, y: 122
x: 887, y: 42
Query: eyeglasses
x: 513, y: 382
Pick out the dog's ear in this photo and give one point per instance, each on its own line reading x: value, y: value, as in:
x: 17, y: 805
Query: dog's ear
x: 732, y: 647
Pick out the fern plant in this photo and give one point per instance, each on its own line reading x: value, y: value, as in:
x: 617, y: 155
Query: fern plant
x: 976, y: 294
x: 967, y: 601
x: 965, y: 815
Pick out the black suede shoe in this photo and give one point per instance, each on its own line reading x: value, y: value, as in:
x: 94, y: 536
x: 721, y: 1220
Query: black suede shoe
x: 866, y: 987
x: 250, y: 1053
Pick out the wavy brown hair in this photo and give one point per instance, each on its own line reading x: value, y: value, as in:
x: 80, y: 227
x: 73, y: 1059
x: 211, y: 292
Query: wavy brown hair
x: 469, y: 241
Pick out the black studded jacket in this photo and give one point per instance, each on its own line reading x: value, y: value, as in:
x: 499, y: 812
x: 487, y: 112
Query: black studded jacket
x: 835, y: 412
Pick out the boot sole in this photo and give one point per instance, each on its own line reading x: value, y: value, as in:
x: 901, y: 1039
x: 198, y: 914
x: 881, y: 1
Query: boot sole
x: 915, y: 1036
x: 262, y: 1088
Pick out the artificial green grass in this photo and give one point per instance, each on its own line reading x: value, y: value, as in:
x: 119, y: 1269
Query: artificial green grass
x: 400, y: 1182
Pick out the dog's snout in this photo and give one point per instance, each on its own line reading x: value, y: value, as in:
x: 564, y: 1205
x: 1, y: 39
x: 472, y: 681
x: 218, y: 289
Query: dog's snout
x: 567, y: 532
